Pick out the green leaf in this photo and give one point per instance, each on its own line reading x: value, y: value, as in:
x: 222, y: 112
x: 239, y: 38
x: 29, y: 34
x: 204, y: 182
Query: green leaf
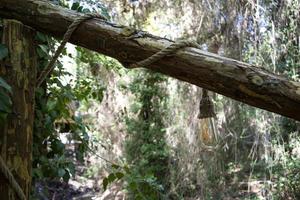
x: 111, y: 178
x: 132, y: 186
x: 119, y: 175
x: 105, y: 183
x: 105, y: 13
x: 115, y: 166
x: 41, y: 37
x: 127, y: 170
x: 66, y: 177
x: 86, y: 10
x: 5, y: 85
x: 44, y: 48
x: 75, y: 6
x: 37, y: 173
x: 61, y: 172
x: 79, y: 9
x: 5, y: 102
x: 71, y: 169
x: 43, y: 51
x: 3, y: 51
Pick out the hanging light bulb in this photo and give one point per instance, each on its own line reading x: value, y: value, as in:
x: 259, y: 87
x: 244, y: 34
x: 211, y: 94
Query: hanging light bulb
x: 206, y: 106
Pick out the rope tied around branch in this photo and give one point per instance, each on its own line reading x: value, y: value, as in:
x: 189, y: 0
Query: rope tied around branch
x: 49, y: 68
x: 174, y: 47
x: 206, y: 106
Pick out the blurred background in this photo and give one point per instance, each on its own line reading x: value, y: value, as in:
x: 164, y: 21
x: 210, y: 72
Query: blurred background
x: 105, y: 132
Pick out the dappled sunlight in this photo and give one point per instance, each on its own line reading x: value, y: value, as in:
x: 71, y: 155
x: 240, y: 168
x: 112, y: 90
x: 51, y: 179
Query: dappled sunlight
x: 100, y: 127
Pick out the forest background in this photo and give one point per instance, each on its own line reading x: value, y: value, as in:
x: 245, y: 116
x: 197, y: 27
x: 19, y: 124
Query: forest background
x: 112, y: 133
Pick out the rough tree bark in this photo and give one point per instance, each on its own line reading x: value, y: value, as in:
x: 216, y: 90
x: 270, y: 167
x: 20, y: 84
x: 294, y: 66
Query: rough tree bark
x: 19, y: 70
x: 241, y: 81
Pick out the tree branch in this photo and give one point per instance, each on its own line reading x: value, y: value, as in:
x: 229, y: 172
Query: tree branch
x: 240, y: 81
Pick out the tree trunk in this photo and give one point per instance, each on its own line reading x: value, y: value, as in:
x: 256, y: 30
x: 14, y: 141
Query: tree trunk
x: 19, y: 70
x: 241, y: 81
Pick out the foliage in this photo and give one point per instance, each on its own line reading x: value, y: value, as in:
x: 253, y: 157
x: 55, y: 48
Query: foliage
x: 146, y: 149
x: 146, y: 187
x: 271, y: 41
x: 53, y: 100
x: 286, y: 170
x: 116, y: 174
x: 86, y: 6
x: 5, y: 100
x: 287, y: 179
x: 5, y: 89
x: 269, y: 38
x: 3, y: 51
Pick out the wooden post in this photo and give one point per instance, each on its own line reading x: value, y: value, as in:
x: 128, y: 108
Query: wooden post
x: 19, y: 71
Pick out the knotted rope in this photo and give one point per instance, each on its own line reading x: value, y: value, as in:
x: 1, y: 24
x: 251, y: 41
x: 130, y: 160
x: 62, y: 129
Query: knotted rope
x: 165, y: 52
x: 12, y: 181
x: 49, y: 68
x: 206, y: 105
